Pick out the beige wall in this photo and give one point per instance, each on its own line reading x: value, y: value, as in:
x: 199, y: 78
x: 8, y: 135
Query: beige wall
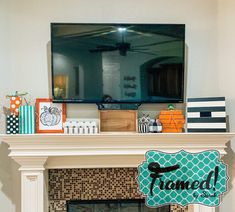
x: 226, y: 65
x: 6, y: 194
x: 25, y: 34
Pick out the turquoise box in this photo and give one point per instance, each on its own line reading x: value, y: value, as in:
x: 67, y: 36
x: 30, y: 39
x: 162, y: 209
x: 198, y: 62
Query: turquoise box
x: 27, y: 119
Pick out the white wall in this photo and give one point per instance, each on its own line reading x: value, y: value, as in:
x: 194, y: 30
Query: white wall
x: 226, y: 64
x: 26, y: 32
x: 6, y: 188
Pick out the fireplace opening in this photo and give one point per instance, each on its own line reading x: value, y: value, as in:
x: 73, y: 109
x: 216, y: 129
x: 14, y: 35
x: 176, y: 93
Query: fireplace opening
x: 124, y: 205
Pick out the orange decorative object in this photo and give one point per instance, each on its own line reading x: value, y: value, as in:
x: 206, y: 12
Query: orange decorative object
x: 15, y: 102
x: 172, y: 121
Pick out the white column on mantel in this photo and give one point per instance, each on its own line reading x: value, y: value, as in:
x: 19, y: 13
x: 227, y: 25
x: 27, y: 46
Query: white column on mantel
x: 32, y: 183
x: 32, y: 191
x: 202, y: 208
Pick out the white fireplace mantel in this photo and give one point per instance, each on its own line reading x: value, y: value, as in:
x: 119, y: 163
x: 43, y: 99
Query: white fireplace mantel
x: 38, y: 152
x: 104, y: 150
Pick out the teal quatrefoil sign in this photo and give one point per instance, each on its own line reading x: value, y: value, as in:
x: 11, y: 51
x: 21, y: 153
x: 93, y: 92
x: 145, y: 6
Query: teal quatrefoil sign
x: 182, y: 178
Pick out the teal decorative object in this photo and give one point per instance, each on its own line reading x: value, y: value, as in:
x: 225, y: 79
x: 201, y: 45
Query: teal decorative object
x: 182, y: 178
x: 27, y: 119
x: 170, y: 107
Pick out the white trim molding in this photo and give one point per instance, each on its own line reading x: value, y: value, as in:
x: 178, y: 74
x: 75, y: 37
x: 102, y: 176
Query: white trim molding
x: 201, y: 208
x: 38, y: 152
x: 31, y: 163
x: 32, y: 191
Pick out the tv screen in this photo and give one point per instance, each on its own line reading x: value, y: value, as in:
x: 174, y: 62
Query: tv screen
x: 117, y: 63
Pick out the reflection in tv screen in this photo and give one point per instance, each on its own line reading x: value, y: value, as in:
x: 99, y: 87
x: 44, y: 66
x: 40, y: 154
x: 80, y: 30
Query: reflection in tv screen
x: 118, y: 63
x: 112, y: 206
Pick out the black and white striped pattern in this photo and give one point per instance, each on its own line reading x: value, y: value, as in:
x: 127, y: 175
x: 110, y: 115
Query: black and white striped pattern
x: 206, y: 114
x: 143, y: 128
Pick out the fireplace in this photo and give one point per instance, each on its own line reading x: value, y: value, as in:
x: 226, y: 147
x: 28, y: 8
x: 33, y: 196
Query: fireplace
x: 75, y: 161
x: 136, y: 205
x: 103, y: 188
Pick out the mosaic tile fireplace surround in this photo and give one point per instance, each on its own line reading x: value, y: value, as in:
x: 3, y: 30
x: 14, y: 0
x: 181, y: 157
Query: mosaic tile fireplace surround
x: 93, y: 184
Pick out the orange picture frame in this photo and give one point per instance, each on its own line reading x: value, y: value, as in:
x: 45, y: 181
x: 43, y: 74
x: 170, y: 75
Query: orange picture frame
x: 51, y: 117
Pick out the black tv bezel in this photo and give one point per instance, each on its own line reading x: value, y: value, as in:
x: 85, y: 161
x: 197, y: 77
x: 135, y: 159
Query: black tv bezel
x: 182, y: 100
x: 100, y: 201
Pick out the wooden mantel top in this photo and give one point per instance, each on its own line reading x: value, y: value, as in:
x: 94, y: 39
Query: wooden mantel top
x: 108, y: 149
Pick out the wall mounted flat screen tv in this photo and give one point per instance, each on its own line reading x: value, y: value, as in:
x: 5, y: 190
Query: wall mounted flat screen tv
x: 117, y: 63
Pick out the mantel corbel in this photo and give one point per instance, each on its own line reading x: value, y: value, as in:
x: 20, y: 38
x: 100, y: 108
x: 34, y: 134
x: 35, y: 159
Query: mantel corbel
x: 31, y: 163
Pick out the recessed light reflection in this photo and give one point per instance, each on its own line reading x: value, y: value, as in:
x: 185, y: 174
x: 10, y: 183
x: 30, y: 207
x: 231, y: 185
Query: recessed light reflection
x: 121, y: 29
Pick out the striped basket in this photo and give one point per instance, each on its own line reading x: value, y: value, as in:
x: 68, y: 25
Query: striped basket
x: 27, y: 119
x: 206, y: 114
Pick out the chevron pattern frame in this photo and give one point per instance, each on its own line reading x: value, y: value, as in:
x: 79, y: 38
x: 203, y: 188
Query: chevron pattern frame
x: 206, y: 115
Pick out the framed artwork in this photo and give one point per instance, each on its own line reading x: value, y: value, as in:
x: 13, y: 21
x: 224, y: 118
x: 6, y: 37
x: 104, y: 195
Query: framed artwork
x: 50, y: 116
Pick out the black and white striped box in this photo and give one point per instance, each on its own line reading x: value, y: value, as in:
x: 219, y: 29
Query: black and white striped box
x: 206, y: 114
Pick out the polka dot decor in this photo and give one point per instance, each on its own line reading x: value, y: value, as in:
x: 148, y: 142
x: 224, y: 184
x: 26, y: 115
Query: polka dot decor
x: 12, y: 126
x: 15, y: 102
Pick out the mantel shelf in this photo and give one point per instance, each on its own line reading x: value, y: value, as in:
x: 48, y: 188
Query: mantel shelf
x: 107, y: 150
